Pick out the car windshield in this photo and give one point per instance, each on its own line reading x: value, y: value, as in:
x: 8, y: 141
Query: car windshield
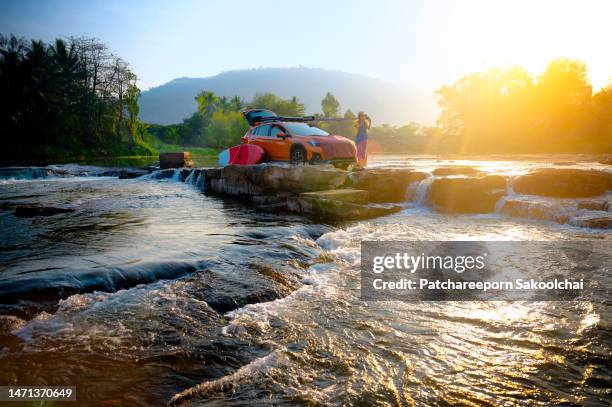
x: 303, y: 129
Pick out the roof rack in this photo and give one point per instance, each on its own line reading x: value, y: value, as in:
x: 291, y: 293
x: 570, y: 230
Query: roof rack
x: 303, y: 119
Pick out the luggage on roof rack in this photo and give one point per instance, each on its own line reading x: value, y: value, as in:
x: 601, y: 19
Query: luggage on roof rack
x: 256, y: 116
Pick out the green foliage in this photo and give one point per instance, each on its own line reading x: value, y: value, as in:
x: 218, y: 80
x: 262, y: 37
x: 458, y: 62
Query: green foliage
x: 219, y: 123
x: 283, y: 107
x: 226, y: 129
x: 68, y: 98
x: 330, y: 106
x: 208, y: 102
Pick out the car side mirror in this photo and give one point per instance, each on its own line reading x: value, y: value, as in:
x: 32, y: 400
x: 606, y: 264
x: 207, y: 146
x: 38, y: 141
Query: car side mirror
x: 282, y: 135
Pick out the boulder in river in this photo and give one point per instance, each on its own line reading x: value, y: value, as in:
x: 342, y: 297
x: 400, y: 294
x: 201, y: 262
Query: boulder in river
x: 606, y: 160
x: 593, y: 205
x: 266, y: 179
x: 467, y: 195
x: 594, y: 222
x: 385, y: 184
x: 543, y: 210
x: 345, y: 195
x: 344, y: 204
x: 563, y: 183
x: 29, y: 211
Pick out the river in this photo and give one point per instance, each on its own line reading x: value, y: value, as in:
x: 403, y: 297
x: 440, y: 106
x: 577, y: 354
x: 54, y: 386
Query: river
x: 168, y: 293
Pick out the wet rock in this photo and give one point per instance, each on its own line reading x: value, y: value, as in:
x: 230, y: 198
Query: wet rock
x: 345, y: 195
x: 385, y: 184
x: 9, y: 323
x: 279, y: 207
x: 29, y: 211
x: 127, y: 173
x: 516, y: 208
x: 64, y: 283
x: 456, y: 170
x: 594, y: 222
x: 563, y: 183
x: 173, y: 160
x: 225, y: 292
x: 606, y: 160
x: 319, y: 206
x: 164, y: 174
x: 549, y: 211
x: 26, y: 172
x: 184, y: 173
x: 269, y: 199
x: 466, y: 195
x: 267, y: 179
x: 593, y: 205
x: 287, y: 280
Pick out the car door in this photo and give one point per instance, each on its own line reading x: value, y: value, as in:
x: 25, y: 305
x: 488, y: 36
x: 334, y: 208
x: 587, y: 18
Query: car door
x: 260, y: 137
x: 282, y: 146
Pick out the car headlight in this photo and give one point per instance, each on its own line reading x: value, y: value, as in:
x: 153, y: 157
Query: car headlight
x: 314, y: 143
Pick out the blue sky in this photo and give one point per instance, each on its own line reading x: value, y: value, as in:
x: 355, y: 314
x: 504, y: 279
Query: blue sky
x: 425, y: 43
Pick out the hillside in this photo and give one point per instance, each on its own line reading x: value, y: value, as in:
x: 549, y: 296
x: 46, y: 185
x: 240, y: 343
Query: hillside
x: 385, y: 102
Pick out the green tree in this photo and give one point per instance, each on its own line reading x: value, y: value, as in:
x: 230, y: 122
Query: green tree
x: 208, y: 102
x: 330, y: 106
x: 290, y: 107
x: 67, y: 97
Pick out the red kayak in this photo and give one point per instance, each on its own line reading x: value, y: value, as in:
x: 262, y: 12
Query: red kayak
x: 243, y: 154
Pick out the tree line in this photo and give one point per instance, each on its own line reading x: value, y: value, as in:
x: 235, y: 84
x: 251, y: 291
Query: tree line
x: 218, y: 123
x: 71, y: 97
x: 512, y: 111
x: 75, y: 97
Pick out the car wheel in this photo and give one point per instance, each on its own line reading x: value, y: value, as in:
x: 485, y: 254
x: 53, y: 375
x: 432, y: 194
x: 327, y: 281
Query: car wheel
x: 298, y: 155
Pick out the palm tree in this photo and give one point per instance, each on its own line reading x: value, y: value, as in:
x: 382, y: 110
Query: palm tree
x: 236, y: 103
x: 208, y: 102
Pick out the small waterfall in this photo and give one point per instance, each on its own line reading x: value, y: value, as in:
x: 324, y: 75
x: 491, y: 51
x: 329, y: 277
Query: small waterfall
x: 190, y: 179
x: 501, y: 203
x: 199, y: 184
x: 168, y: 174
x: 410, y: 192
x: 422, y: 189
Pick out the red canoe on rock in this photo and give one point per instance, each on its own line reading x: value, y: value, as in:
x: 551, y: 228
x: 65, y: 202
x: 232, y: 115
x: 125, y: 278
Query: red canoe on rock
x: 243, y: 154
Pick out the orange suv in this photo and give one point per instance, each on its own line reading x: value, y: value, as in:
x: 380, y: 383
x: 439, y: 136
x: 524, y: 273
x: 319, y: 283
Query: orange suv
x: 294, y: 139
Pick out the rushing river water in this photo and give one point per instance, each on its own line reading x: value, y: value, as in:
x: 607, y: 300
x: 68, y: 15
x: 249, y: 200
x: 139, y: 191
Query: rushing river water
x: 169, y: 293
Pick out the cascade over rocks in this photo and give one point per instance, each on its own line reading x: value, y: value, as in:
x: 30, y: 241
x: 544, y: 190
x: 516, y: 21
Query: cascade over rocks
x: 325, y: 192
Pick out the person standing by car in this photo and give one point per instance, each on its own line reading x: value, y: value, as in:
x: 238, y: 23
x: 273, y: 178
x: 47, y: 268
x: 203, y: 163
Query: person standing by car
x: 362, y: 125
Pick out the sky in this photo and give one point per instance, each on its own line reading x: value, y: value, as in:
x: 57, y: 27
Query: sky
x: 423, y: 43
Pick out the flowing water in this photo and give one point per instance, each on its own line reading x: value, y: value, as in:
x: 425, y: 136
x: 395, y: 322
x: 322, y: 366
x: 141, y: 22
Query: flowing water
x: 167, y: 294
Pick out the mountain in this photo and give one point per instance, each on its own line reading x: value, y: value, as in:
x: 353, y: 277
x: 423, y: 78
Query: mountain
x: 385, y: 102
